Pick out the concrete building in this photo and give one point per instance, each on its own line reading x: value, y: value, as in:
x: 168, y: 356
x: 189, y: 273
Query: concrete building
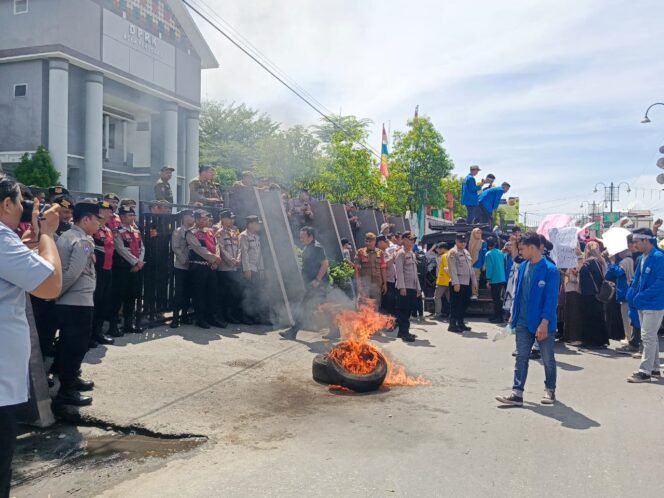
x: 111, y: 87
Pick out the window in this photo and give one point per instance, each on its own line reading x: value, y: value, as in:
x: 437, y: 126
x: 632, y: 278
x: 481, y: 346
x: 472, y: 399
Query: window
x: 20, y: 90
x: 20, y: 7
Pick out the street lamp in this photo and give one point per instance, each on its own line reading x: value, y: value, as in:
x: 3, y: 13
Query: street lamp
x: 612, y: 192
x: 646, y: 119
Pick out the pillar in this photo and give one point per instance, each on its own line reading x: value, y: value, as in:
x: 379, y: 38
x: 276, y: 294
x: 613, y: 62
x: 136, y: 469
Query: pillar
x: 94, y: 122
x: 170, y: 114
x: 191, y: 157
x: 58, y: 115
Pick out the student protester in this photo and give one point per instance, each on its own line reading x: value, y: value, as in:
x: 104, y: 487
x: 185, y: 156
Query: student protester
x: 534, y: 317
x: 489, y: 201
x: 646, y: 294
x: 572, y: 311
x: 591, y: 277
x: 470, y: 194
x: 462, y: 283
x: 496, y: 279
x: 21, y: 271
x: 477, y: 248
x: 621, y: 272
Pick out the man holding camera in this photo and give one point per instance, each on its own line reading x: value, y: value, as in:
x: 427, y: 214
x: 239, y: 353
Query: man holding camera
x: 21, y: 271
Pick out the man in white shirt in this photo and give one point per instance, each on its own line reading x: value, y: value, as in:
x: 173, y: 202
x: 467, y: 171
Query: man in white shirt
x: 21, y: 271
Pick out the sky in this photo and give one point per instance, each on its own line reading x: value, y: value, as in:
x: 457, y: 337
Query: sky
x: 547, y: 95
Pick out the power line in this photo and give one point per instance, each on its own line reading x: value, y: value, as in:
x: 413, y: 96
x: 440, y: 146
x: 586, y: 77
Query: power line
x: 281, y: 80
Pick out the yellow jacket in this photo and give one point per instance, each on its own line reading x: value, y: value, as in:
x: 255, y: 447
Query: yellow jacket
x: 443, y: 278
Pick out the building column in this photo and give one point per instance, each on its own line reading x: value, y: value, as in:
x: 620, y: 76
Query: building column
x: 94, y: 122
x: 170, y: 114
x: 58, y: 115
x: 191, y: 156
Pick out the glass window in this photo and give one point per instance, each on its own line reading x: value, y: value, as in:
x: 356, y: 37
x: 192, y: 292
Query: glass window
x: 20, y: 7
x: 20, y: 90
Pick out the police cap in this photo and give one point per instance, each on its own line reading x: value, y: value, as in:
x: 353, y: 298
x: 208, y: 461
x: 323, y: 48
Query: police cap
x: 112, y: 197
x: 252, y: 219
x: 86, y: 209
x: 381, y: 238
x: 370, y: 236
x: 64, y: 201
x: 167, y: 168
x: 409, y: 235
x: 461, y: 237
x: 186, y: 212
x: 201, y: 213
x: 226, y: 213
x: 104, y: 205
x: 57, y: 190
x: 124, y: 210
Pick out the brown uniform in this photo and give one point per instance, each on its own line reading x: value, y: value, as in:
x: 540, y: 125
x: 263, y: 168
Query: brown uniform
x: 228, y: 276
x: 202, y: 190
x: 163, y: 192
x: 371, y: 268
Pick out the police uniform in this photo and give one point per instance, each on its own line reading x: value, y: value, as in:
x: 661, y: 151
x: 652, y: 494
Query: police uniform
x: 228, y: 240
x: 460, y: 267
x: 405, y: 266
x: 371, y: 266
x: 129, y: 251
x: 183, y: 284
x: 67, y: 203
x: 103, y: 297
x: 389, y: 300
x: 163, y: 192
x: 201, y: 190
x: 251, y: 258
x: 75, y: 308
x: 203, y: 261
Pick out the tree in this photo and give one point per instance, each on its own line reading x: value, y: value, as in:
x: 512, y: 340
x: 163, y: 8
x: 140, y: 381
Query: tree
x: 420, y: 154
x: 230, y: 134
x: 37, y: 170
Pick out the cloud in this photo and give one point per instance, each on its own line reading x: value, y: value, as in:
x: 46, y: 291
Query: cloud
x: 545, y: 94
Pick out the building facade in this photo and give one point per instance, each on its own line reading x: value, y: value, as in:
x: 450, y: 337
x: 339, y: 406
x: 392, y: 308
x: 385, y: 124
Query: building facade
x: 111, y: 87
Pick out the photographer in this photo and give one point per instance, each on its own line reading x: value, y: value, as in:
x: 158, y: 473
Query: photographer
x: 21, y: 271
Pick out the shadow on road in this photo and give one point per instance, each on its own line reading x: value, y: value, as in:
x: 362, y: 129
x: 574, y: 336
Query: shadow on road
x: 566, y: 415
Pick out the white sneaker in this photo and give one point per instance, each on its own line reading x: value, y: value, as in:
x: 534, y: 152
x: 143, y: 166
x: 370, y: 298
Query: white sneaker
x: 473, y: 298
x: 549, y: 397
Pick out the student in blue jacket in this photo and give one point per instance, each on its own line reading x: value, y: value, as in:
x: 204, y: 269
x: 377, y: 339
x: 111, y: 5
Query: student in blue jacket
x: 489, y: 200
x: 534, y: 316
x: 470, y: 194
x: 646, y: 294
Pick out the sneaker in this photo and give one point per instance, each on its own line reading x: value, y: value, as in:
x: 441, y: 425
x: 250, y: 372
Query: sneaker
x: 511, y: 400
x: 627, y: 349
x: 549, y: 397
x: 638, y: 355
x: 638, y: 378
x: 474, y: 298
x: 656, y: 373
x: 465, y: 328
x: 535, y: 354
x: 454, y: 329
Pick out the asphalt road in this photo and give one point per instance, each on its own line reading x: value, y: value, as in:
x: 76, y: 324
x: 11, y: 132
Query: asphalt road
x: 274, y: 432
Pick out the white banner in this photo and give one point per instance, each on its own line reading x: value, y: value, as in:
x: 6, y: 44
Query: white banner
x: 564, y: 242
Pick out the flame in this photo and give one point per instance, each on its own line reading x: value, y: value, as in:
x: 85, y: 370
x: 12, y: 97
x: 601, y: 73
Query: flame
x: 356, y: 354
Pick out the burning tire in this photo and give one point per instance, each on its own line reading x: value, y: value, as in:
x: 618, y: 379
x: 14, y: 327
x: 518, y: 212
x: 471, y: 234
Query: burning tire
x: 360, y: 383
x: 319, y: 369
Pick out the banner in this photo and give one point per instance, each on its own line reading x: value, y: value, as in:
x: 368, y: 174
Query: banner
x: 564, y: 242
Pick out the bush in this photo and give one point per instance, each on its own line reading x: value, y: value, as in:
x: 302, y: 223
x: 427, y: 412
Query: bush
x: 37, y: 170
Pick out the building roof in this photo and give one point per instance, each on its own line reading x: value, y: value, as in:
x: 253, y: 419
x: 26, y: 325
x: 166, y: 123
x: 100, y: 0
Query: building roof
x: 208, y: 60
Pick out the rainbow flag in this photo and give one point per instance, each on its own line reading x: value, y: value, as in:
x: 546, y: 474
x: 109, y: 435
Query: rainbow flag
x: 384, y: 172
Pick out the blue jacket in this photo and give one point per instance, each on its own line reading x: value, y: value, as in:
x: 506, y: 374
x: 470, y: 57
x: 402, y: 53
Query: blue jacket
x: 490, y: 198
x: 481, y: 256
x: 616, y: 274
x: 542, y: 296
x: 647, y: 290
x: 495, y: 266
x: 469, y: 190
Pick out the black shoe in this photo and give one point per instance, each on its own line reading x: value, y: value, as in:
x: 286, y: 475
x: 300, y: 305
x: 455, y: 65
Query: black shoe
x: 289, y: 334
x: 202, y: 324
x: 407, y: 338
x: 465, y: 328
x: 215, y: 322
x: 186, y: 319
x: 83, y: 385
x: 103, y: 339
x: 511, y: 400
x: 92, y: 344
x: 656, y: 373
x: 113, y: 331
x: 638, y: 378
x: 72, y: 397
x: 535, y: 354
x: 230, y: 318
x: 455, y: 329
x: 175, y: 323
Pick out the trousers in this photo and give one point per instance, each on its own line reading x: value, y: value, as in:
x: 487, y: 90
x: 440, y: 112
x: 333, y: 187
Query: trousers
x: 459, y: 302
x: 228, y: 288
x: 473, y: 214
x: 205, y: 291
x: 313, y: 297
x: 253, y: 303
x: 442, y: 291
x: 497, y: 297
x: 126, y: 291
x: 405, y: 306
x: 75, y: 331
x: 183, y: 290
x: 650, y: 323
x: 103, y: 298
x: 46, y: 323
x: 524, y: 344
x: 8, y: 431
x: 388, y: 303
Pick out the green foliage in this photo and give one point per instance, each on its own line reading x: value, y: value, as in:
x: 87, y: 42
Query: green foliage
x: 341, y: 274
x: 419, y: 153
x: 226, y: 176
x: 37, y: 170
x: 453, y: 184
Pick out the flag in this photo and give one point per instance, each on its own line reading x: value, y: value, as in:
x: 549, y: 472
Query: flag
x: 383, y: 156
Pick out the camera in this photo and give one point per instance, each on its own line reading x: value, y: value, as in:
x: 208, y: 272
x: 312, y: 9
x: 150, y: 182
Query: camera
x: 28, y: 205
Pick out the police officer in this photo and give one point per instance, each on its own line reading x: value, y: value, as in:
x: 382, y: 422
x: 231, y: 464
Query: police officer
x: 251, y: 259
x: 114, y: 201
x: 183, y: 284
x: 75, y: 305
x: 203, y: 189
x: 103, y: 297
x: 203, y: 262
x: 228, y: 240
x: 314, y: 274
x: 162, y: 189
x: 389, y: 300
x: 66, y: 204
x: 370, y: 271
x: 408, y: 286
x: 55, y: 191
x: 127, y: 265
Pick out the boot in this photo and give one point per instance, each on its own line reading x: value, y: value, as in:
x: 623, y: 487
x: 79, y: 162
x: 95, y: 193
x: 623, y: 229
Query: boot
x: 99, y: 337
x: 113, y: 330
x: 70, y: 396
